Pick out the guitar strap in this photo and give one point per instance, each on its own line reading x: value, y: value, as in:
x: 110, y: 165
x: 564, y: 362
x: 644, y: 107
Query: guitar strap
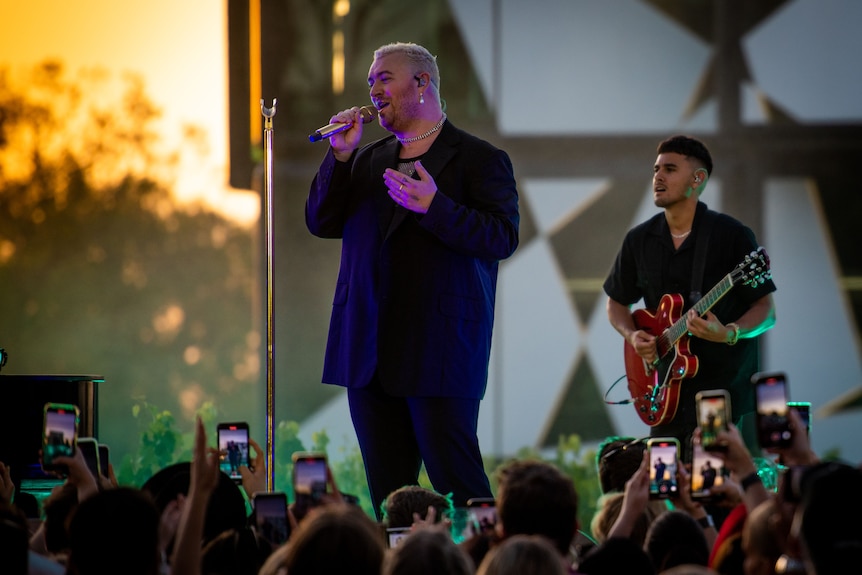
x: 703, y: 232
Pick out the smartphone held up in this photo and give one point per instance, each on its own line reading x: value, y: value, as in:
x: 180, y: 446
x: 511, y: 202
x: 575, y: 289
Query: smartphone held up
x: 90, y: 450
x: 104, y: 460
x: 804, y: 410
x: 59, y: 434
x: 713, y: 416
x: 270, y: 516
x: 663, y: 460
x: 233, y: 448
x: 773, y: 424
x: 707, y: 473
x: 309, y: 476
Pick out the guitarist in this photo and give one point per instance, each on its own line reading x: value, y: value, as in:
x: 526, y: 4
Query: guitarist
x: 660, y: 256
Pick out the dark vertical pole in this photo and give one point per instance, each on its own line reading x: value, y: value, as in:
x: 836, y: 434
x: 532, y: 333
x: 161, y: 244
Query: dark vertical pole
x: 239, y: 94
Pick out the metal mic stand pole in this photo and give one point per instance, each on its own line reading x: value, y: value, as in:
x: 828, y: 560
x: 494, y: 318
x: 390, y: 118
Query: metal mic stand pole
x: 268, y: 114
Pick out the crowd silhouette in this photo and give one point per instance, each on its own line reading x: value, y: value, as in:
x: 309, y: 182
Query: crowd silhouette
x: 191, y: 519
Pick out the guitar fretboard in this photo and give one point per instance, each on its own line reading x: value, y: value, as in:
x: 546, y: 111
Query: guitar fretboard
x: 672, y: 334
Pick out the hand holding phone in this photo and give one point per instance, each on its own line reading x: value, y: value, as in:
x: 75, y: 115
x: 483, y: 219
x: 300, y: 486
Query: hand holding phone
x: 663, y: 461
x: 233, y: 448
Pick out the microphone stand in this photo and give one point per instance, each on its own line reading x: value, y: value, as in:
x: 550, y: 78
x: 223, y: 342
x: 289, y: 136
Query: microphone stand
x: 268, y: 114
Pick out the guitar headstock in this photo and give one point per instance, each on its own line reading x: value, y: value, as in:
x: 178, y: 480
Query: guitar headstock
x: 753, y: 270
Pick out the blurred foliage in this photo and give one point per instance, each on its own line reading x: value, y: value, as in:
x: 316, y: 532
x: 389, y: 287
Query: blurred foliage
x: 161, y: 444
x: 104, y: 272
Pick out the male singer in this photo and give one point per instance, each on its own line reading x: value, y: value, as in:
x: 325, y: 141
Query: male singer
x: 424, y: 215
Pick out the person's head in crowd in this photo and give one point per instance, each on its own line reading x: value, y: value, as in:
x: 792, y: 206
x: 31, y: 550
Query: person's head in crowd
x: 690, y: 569
x: 727, y: 556
x: 477, y: 546
x: 616, y: 556
x: 57, y: 508
x: 115, y: 531
x: 14, y: 540
x: 536, y: 498
x: 338, y: 538
x: 226, y: 508
x: 233, y: 552
x: 28, y: 504
x: 616, y: 461
x: 427, y: 551
x: 523, y: 555
x: 608, y: 509
x: 676, y: 538
x: 400, y: 505
x: 760, y: 540
x: 828, y: 520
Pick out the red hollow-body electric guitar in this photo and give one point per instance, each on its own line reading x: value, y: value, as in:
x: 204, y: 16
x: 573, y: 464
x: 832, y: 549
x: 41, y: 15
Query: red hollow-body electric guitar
x: 654, y: 387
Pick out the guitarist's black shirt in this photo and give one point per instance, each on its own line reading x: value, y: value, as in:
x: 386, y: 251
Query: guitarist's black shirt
x: 648, y: 267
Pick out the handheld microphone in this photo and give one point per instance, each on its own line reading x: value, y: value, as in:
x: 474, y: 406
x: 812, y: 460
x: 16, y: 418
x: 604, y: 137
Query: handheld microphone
x: 366, y: 114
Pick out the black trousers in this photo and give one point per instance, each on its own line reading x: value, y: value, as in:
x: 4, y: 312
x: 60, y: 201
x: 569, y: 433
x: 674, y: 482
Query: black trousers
x: 397, y: 434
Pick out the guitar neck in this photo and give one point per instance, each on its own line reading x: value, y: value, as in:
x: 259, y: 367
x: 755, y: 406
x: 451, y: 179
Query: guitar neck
x: 703, y: 305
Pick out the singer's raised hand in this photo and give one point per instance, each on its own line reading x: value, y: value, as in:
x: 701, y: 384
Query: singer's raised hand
x: 343, y: 143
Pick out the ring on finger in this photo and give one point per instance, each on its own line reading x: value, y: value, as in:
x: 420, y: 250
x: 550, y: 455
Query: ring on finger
x: 401, y: 188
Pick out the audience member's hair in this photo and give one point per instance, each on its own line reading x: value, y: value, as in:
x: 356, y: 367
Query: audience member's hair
x: 609, y: 507
x: 675, y: 538
x: 726, y: 555
x: 615, y: 556
x: 28, y: 504
x: 115, y: 531
x: 226, y: 507
x: 828, y: 517
x: 58, y: 507
x: 427, y: 551
x: 478, y: 546
x: 760, y: 541
x: 536, y: 498
x: 234, y: 552
x: 331, y: 539
x: 401, y: 504
x: 14, y: 540
x: 617, y: 460
x: 523, y: 555
x: 690, y: 569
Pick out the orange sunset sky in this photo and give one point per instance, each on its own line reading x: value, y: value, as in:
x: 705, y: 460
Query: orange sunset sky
x: 178, y: 47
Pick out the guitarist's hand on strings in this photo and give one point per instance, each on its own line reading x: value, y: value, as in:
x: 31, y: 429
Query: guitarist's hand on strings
x: 706, y: 327
x: 644, y: 344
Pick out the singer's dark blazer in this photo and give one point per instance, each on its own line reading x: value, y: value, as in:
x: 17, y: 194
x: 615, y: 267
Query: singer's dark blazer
x: 415, y: 293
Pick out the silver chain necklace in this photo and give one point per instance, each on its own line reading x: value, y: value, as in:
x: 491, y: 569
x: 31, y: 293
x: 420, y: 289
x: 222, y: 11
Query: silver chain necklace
x: 680, y: 236
x: 436, y: 127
